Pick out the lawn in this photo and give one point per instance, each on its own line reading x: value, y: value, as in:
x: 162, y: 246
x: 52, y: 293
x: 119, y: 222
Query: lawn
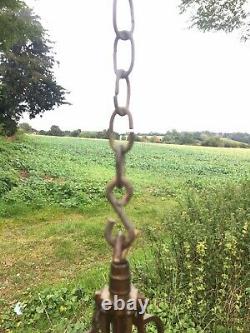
x: 53, y: 208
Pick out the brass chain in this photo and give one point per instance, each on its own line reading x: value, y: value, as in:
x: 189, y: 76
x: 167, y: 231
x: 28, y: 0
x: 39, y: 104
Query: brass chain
x: 125, y: 320
x: 121, y: 242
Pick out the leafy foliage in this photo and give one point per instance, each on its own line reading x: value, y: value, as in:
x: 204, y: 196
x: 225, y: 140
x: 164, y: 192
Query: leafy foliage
x: 50, y: 310
x: 225, y: 15
x: 199, y: 273
x: 27, y: 83
x: 17, y: 24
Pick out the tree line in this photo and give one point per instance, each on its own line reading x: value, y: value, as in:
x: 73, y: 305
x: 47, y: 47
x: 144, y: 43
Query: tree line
x: 206, y: 138
x: 55, y: 130
x: 203, y: 138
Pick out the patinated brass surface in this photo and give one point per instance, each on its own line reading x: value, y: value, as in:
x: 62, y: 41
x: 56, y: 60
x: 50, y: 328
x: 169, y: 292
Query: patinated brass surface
x: 123, y: 320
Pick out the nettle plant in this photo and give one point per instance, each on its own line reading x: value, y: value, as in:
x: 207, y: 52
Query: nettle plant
x: 201, y: 266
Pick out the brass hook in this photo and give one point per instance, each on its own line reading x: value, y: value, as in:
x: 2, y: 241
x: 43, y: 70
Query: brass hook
x: 117, y: 242
x: 120, y: 243
x: 132, y: 233
x: 118, y: 207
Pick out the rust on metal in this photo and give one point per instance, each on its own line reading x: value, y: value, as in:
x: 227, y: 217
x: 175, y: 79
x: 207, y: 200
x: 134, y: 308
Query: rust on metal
x: 122, y: 320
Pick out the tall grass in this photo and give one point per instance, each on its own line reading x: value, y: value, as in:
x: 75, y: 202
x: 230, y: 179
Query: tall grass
x: 199, y: 271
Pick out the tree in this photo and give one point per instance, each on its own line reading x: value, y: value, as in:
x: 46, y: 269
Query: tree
x: 27, y: 82
x: 75, y: 133
x: 26, y: 128
x: 15, y: 24
x: 218, y: 15
x: 55, y: 131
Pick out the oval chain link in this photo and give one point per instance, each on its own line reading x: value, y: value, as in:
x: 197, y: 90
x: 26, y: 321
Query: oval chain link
x: 124, y: 33
x: 120, y: 149
x: 120, y: 110
x: 122, y: 73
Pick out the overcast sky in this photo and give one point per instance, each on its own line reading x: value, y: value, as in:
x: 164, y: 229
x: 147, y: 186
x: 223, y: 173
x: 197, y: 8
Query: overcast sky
x: 183, y: 79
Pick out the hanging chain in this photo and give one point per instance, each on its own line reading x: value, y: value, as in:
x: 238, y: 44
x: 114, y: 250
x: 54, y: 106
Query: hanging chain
x: 125, y: 320
x: 121, y: 242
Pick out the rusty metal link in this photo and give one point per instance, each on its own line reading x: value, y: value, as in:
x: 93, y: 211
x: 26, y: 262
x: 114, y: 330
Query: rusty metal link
x: 120, y: 166
x: 121, y: 242
x: 117, y: 146
x: 122, y: 73
x: 116, y: 203
x: 124, y: 320
x: 119, y: 109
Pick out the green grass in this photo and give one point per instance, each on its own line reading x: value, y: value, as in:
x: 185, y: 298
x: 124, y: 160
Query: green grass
x: 53, y: 208
x: 72, y: 173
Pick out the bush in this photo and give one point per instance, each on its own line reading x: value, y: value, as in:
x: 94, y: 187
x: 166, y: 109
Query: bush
x: 8, y: 180
x: 199, y: 274
x: 213, y: 141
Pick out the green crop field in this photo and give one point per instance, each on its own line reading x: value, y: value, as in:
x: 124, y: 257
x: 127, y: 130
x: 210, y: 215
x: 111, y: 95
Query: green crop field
x: 53, y: 212
x: 72, y: 173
